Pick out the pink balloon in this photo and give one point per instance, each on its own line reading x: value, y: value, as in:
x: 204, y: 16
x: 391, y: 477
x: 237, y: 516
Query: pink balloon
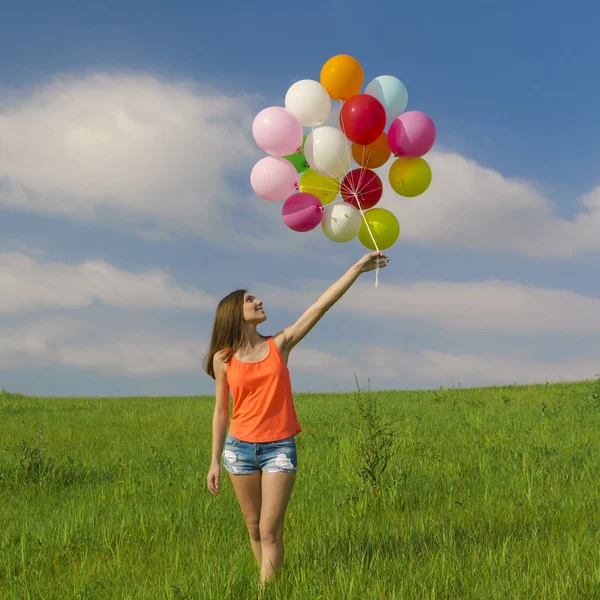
x: 277, y: 131
x: 412, y: 134
x: 274, y: 178
x: 302, y: 212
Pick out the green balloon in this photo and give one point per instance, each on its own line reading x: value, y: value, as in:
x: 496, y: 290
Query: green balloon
x: 298, y: 159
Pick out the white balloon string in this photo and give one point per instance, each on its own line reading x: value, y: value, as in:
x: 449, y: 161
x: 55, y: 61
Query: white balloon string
x: 363, y: 173
x: 349, y: 185
x: 354, y: 190
x: 323, y: 171
x: 319, y: 189
x: 372, y: 237
x: 340, y: 160
x: 364, y: 151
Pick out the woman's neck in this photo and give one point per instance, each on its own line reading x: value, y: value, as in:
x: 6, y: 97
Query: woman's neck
x: 250, y: 337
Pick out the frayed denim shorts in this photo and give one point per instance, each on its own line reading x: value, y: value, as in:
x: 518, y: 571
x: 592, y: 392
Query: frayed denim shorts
x: 243, y: 458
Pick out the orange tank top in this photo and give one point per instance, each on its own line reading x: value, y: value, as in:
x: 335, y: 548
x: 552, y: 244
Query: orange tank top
x: 263, y: 406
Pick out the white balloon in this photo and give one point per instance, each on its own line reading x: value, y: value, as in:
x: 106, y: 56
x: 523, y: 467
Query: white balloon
x: 309, y: 102
x: 341, y: 222
x: 328, y: 152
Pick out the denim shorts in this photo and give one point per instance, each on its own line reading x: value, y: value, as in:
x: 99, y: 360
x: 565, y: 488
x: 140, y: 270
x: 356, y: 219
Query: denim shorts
x: 242, y: 458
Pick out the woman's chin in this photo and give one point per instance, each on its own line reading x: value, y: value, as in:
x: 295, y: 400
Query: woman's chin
x: 257, y: 320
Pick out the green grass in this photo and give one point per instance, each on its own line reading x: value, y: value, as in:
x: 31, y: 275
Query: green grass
x: 492, y: 494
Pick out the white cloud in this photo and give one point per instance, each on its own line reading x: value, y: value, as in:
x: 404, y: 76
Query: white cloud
x: 143, y: 155
x: 113, y: 350
x: 156, y: 158
x: 470, y: 206
x: 393, y: 367
x: 31, y: 345
x: 120, y: 347
x: 29, y: 285
x: 479, y: 307
x: 108, y: 347
x: 150, y: 156
x: 592, y: 199
x: 135, y: 356
x: 313, y: 360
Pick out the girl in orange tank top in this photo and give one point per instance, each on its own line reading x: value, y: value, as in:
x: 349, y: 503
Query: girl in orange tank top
x: 263, y: 406
x: 259, y: 453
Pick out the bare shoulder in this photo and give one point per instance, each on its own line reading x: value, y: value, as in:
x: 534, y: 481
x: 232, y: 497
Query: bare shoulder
x: 281, y: 338
x: 219, y: 364
x: 282, y: 341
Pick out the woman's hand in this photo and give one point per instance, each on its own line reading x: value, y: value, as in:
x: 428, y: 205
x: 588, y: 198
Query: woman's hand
x: 371, y: 261
x: 213, y: 479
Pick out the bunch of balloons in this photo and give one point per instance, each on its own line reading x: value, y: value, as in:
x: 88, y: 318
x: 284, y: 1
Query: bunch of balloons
x: 313, y: 172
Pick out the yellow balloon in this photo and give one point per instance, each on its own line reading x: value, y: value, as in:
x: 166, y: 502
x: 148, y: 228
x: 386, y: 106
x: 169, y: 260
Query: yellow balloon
x: 410, y: 177
x: 342, y: 76
x: 324, y: 188
x: 383, y: 225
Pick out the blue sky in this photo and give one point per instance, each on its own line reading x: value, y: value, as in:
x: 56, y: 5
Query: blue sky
x: 125, y: 150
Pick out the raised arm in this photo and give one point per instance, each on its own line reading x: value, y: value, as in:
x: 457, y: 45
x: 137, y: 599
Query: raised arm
x: 292, y: 335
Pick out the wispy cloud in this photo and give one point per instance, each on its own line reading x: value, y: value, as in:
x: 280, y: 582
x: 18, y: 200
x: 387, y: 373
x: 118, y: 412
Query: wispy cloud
x: 109, y: 347
x: 396, y: 368
x: 29, y: 285
x: 150, y: 155
x: 480, y: 306
x: 114, y: 350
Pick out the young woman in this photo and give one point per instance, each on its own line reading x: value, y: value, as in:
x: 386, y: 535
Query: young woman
x: 260, y: 449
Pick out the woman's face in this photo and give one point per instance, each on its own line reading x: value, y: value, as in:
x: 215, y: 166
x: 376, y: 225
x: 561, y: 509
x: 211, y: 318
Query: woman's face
x: 253, y: 311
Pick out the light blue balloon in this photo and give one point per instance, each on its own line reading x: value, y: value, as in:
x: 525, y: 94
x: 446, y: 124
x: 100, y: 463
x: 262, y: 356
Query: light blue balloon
x: 391, y: 92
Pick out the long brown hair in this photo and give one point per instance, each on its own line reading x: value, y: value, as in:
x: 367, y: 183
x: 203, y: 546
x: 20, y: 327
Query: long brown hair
x: 227, y: 329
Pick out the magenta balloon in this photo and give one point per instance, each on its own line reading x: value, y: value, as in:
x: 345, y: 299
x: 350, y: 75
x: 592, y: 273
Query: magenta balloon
x: 277, y: 131
x: 302, y: 212
x: 274, y: 178
x: 412, y: 134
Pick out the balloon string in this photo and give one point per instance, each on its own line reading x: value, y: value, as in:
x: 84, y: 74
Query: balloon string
x: 319, y: 189
x: 340, y: 160
x: 325, y: 171
x: 354, y: 191
x: 344, y: 188
x: 372, y: 237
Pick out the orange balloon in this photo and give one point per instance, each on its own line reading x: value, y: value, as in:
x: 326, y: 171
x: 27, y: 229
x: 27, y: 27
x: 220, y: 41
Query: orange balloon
x: 342, y: 76
x: 374, y: 155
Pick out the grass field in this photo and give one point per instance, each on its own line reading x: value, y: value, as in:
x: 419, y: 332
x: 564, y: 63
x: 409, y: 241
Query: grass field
x: 489, y: 493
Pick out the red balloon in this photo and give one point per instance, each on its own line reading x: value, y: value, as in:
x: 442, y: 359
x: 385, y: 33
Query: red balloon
x: 362, y: 119
x: 363, y: 184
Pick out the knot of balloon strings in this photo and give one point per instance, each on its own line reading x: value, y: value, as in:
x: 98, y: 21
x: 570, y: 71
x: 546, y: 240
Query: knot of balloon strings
x: 372, y: 238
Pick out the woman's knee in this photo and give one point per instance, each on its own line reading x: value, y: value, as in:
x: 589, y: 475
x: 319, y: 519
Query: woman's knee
x: 253, y: 530
x: 270, y: 532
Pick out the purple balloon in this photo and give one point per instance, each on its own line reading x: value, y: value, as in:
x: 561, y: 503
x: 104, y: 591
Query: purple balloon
x: 411, y: 135
x: 277, y: 131
x: 302, y: 212
x: 274, y: 178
